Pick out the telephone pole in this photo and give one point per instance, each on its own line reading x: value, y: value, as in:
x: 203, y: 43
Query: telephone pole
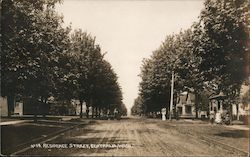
x: 172, y: 96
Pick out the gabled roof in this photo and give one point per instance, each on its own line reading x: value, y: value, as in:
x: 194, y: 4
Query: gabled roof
x: 219, y: 96
x: 185, y: 97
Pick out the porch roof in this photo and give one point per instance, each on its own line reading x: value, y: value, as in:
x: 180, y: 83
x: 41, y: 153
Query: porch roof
x: 219, y: 96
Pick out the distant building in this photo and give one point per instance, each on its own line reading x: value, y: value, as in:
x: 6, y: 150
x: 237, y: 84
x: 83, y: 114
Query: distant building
x: 25, y: 106
x: 77, y: 106
x: 18, y: 108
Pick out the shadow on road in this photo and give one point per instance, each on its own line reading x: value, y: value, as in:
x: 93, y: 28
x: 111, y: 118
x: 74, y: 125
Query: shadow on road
x: 233, y: 134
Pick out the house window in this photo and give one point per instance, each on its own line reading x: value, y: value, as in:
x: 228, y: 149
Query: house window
x: 215, y: 109
x: 188, y: 109
x: 179, y: 110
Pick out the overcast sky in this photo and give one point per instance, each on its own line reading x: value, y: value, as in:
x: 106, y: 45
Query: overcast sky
x: 130, y: 30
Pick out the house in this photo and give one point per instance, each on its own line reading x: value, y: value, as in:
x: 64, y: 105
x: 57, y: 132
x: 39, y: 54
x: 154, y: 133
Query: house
x: 16, y: 109
x: 244, y: 108
x: 3, y: 106
x: 25, y: 106
x: 186, y: 106
x: 216, y: 103
x: 77, y: 106
x: 240, y: 111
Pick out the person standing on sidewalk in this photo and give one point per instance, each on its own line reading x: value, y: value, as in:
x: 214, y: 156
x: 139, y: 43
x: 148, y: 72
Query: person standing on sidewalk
x: 212, y: 116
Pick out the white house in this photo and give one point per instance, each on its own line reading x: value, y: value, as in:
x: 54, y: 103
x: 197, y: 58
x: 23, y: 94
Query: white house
x: 3, y: 106
x: 217, y: 105
x: 186, y: 106
x: 76, y: 104
x: 18, y: 107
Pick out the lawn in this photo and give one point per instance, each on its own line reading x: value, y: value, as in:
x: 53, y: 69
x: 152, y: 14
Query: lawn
x: 18, y: 136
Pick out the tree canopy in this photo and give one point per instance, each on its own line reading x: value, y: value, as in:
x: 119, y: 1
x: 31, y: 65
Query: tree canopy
x: 211, y: 53
x: 40, y: 58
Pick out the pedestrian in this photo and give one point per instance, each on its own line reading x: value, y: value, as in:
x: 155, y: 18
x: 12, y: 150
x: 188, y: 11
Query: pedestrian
x: 116, y: 113
x: 212, y: 117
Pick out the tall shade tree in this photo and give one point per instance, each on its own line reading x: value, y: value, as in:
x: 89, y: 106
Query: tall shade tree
x: 224, y: 59
x: 211, y: 53
x: 138, y: 107
x: 91, y: 77
x: 32, y: 40
x: 188, y: 68
x: 86, y: 57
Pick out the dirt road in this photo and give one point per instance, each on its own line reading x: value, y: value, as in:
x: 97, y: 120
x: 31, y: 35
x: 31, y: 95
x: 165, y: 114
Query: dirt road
x: 137, y: 137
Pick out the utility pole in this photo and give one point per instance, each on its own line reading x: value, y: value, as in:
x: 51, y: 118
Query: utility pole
x: 172, y: 96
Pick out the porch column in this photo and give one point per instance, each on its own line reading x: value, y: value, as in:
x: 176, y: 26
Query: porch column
x: 221, y: 106
x: 183, y: 109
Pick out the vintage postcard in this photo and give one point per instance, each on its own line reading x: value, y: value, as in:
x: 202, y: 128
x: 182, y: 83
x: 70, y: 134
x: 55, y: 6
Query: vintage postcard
x: 125, y: 77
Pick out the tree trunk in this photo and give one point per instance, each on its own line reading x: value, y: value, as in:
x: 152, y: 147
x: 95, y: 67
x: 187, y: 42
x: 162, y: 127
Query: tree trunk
x: 96, y: 112
x: 99, y: 113
x: 175, y: 106
x: 93, y: 112
x: 35, y: 116
x: 35, y: 109
x: 92, y: 108
x: 44, y: 106
x: 231, y: 112
x: 196, y: 105
x: 237, y: 112
x: 80, y: 108
x: 10, y: 104
x: 87, y: 110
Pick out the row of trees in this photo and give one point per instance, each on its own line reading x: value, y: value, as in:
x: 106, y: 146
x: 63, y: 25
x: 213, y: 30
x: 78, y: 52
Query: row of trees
x: 208, y: 58
x: 40, y: 58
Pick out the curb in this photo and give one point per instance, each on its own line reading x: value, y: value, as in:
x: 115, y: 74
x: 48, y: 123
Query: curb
x: 14, y: 122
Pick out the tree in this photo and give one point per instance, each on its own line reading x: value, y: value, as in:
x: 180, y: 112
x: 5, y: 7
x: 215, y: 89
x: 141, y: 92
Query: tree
x: 32, y: 39
x: 156, y: 75
x: 91, y: 77
x: 107, y: 92
x: 80, y: 77
x: 211, y: 53
x: 245, y: 99
x: 138, y: 107
x: 189, y: 72
x: 41, y: 59
x: 224, y: 60
x: 151, y: 90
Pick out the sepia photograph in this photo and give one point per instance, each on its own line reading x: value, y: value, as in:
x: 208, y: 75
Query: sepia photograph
x: 125, y: 78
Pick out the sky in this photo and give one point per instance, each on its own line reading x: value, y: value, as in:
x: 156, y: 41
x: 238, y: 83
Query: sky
x: 130, y: 30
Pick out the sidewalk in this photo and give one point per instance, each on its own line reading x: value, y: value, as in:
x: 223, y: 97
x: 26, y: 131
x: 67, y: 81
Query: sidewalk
x: 194, y: 121
x: 14, y: 122
x: 238, y: 127
x: 29, y: 118
x: 235, y: 124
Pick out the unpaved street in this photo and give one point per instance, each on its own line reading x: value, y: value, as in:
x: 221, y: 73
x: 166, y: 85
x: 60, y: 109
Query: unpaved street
x: 144, y: 137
